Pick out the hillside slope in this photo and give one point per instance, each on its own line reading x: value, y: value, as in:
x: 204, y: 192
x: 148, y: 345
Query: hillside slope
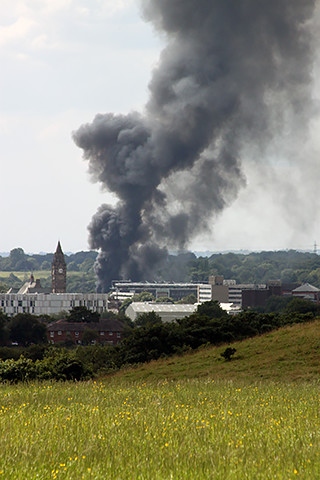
x: 288, y: 354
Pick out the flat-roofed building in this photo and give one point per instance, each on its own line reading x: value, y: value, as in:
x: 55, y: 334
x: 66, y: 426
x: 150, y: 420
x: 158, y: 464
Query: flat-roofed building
x: 51, y: 303
x: 236, y: 291
x: 176, y: 291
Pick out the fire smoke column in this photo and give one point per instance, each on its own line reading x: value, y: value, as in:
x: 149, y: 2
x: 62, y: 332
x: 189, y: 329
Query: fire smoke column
x: 233, y: 75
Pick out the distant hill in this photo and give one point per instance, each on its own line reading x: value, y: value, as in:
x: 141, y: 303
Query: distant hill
x: 286, y: 355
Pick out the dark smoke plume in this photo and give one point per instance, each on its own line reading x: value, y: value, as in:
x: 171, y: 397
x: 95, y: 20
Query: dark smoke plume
x: 234, y: 74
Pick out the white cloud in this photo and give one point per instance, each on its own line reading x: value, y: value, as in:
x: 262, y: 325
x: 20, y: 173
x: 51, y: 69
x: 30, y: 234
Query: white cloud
x: 16, y: 31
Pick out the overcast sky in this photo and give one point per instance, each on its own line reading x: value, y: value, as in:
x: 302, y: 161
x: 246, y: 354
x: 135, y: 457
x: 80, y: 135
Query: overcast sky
x: 64, y: 61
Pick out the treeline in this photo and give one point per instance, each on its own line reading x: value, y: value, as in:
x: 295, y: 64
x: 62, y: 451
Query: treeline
x: 19, y: 261
x: 288, y: 266
x: 149, y: 339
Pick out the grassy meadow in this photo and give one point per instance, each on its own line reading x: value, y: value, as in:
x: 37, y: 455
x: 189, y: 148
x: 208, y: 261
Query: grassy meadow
x: 189, y: 429
x: 190, y: 417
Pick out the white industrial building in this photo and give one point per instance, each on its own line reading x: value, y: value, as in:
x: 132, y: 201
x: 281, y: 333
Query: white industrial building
x: 51, y: 303
x: 167, y: 311
x: 203, y: 292
x: 170, y: 311
x: 127, y: 289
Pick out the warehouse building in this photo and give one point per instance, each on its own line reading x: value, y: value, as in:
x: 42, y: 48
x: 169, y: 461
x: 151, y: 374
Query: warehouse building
x: 167, y: 311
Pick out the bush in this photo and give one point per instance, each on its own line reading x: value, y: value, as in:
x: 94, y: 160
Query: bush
x: 228, y: 353
x: 58, y: 365
x: 20, y: 370
x: 62, y: 365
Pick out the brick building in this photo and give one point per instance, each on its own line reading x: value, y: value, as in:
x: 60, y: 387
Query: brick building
x: 107, y: 332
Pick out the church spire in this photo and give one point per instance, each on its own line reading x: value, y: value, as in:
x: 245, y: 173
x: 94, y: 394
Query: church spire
x: 59, y: 249
x: 59, y: 271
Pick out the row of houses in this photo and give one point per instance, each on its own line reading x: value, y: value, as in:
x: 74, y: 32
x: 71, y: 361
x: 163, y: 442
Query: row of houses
x: 105, y: 332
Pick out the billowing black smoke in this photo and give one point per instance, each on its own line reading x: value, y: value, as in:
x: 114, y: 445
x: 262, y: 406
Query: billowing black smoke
x: 234, y: 74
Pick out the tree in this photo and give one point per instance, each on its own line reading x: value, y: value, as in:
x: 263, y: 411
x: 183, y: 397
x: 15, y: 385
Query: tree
x: 26, y: 329
x: 212, y: 309
x: 87, y: 265
x: 3, y: 287
x: 301, y: 305
x: 21, y: 262
x: 3, y: 328
x: 164, y: 300
x: 148, y: 319
x: 83, y: 314
x: 141, y: 297
x: 89, y: 336
x: 45, y: 265
x: 276, y: 303
x: 189, y: 299
x: 73, y: 267
x: 125, y: 304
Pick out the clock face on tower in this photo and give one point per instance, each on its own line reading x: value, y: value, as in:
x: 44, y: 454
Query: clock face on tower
x: 59, y: 271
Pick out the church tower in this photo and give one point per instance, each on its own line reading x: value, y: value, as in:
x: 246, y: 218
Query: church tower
x: 59, y: 271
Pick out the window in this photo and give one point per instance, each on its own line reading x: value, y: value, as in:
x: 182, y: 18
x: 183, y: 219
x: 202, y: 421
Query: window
x: 51, y: 334
x: 59, y: 332
x: 110, y: 334
x: 76, y: 334
x: 118, y: 335
x: 101, y: 333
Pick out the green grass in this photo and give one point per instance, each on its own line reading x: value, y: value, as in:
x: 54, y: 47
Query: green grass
x: 191, y: 417
x: 24, y: 276
x: 185, y: 429
x: 289, y: 354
